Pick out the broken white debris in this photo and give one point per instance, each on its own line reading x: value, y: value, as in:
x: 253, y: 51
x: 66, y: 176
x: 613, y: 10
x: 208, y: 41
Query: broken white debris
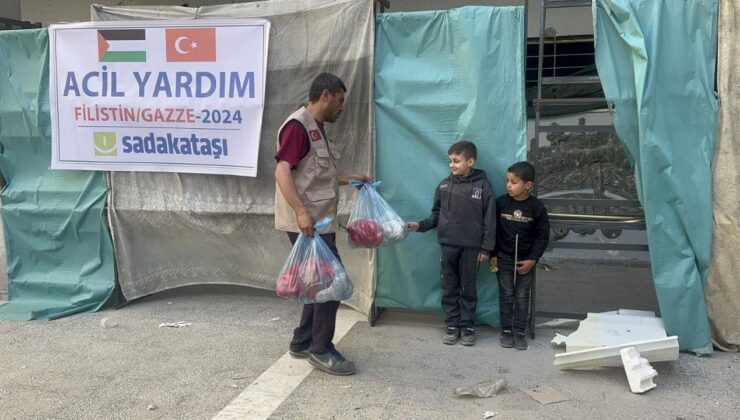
x: 639, y: 372
x: 559, y: 339
x: 274, y: 319
x: 488, y: 414
x: 177, y: 324
x: 152, y: 407
x: 107, y: 323
x: 614, y: 328
x: 659, y: 350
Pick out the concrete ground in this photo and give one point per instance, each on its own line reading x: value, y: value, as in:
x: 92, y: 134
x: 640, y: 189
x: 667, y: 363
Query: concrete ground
x: 75, y: 368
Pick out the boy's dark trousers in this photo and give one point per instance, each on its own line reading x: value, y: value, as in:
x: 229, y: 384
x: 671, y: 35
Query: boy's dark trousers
x: 459, y: 271
x: 513, y: 297
x: 318, y: 321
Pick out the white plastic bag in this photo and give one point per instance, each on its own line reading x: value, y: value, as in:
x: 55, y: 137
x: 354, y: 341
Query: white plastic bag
x: 311, y: 273
x: 373, y: 223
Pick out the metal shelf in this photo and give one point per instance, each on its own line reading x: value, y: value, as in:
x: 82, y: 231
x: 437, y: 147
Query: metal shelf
x: 569, y: 101
x: 576, y: 129
x: 558, y: 4
x: 575, y: 221
x: 571, y: 80
x: 598, y: 202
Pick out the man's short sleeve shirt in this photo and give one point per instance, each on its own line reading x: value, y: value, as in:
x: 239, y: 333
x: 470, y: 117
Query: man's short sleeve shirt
x: 294, y: 144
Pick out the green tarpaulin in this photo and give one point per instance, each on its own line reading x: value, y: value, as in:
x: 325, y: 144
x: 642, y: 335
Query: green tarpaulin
x: 59, y: 251
x: 656, y: 60
x: 441, y: 77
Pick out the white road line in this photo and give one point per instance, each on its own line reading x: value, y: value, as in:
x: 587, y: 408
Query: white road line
x: 263, y: 396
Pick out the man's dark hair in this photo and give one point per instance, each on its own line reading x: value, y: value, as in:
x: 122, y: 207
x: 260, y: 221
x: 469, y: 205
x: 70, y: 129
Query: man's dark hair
x: 523, y: 170
x: 326, y: 81
x: 465, y: 148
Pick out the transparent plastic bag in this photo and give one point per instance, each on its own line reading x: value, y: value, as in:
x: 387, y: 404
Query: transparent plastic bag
x: 373, y: 223
x: 311, y: 273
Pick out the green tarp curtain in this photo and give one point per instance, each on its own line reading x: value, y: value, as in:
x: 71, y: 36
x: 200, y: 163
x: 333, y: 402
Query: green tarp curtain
x: 440, y: 77
x: 656, y: 60
x: 59, y: 251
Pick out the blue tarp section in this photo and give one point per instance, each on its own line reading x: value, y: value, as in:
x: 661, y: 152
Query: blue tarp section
x: 656, y: 60
x: 440, y: 77
x: 59, y: 250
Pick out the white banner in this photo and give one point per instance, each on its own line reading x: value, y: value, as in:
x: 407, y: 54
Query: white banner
x: 158, y: 96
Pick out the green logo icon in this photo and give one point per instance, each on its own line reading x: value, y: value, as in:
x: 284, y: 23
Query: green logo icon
x: 105, y: 143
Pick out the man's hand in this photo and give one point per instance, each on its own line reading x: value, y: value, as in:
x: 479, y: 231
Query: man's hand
x: 413, y: 226
x: 523, y: 267
x: 343, y: 179
x: 482, y: 257
x: 305, y: 222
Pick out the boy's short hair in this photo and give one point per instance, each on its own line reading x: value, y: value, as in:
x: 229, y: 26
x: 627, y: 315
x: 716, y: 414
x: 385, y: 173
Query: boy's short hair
x: 326, y: 81
x: 523, y: 170
x: 465, y: 148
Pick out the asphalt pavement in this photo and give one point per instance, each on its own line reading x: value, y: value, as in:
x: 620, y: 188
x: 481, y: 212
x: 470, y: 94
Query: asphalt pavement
x: 119, y: 363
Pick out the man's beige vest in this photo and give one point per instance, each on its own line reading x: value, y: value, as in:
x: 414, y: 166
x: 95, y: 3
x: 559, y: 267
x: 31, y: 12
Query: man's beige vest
x: 315, y: 178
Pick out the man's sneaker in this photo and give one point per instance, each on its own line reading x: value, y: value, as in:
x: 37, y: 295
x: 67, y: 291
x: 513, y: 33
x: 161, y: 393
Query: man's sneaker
x: 467, y: 336
x: 298, y: 354
x: 332, y: 362
x: 507, y: 339
x: 520, y: 343
x: 451, y: 335
x: 337, y: 354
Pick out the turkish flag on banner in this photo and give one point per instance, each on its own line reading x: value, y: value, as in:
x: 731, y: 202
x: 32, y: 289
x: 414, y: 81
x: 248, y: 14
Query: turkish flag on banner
x: 191, y: 44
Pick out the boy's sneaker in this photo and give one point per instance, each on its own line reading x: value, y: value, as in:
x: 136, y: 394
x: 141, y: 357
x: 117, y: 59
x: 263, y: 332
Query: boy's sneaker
x: 507, y: 339
x: 520, y: 343
x: 332, y: 362
x: 451, y: 335
x: 467, y: 336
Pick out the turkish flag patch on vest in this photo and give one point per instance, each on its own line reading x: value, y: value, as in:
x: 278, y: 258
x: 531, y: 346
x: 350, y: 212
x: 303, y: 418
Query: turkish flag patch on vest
x: 315, y: 135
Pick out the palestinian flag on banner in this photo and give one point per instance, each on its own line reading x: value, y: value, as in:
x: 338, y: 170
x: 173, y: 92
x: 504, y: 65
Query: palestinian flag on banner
x: 121, y: 45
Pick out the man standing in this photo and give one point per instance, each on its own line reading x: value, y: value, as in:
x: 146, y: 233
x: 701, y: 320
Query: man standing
x: 307, y: 189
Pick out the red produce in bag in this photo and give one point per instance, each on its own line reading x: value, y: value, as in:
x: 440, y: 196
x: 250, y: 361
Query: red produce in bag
x: 373, y: 222
x: 365, y: 234
x: 288, y: 284
x: 311, y: 273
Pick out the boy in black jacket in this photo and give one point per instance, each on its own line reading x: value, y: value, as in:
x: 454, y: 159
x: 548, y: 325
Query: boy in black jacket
x: 522, y: 234
x: 464, y: 214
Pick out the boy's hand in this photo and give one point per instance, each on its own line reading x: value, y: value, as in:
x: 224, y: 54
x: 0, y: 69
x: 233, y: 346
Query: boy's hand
x: 413, y: 226
x: 494, y: 264
x: 523, y: 267
x: 482, y: 257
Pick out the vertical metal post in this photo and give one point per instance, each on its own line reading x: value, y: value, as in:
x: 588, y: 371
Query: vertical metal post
x: 534, y: 152
x: 534, y: 149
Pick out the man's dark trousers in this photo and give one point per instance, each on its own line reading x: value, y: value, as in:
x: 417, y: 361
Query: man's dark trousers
x: 318, y: 321
x: 513, y: 297
x: 459, y: 271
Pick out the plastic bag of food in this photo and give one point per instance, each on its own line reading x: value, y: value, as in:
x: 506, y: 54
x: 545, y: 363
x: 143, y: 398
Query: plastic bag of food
x: 373, y: 223
x: 311, y: 273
